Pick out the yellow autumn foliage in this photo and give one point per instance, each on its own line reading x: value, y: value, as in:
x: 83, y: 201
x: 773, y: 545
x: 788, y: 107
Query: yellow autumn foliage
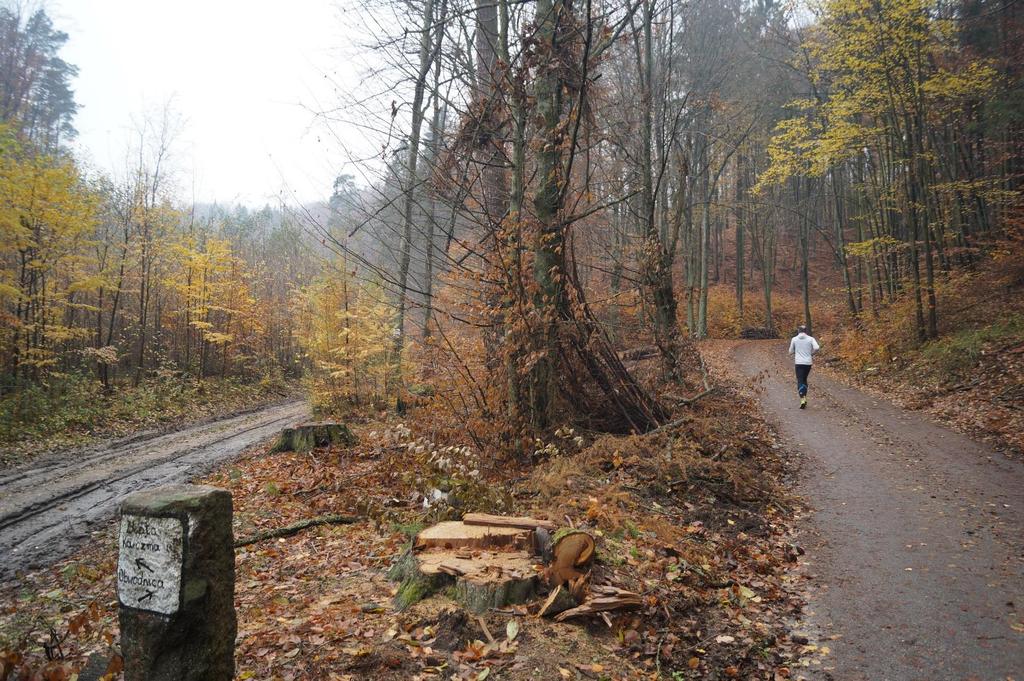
x: 347, y: 329
x: 875, y: 65
x: 47, y: 220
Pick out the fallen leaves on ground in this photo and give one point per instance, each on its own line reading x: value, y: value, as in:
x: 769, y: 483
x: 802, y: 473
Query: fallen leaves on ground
x: 694, y: 519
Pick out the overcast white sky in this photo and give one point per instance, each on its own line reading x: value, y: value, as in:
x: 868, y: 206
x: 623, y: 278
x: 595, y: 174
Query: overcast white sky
x: 238, y: 72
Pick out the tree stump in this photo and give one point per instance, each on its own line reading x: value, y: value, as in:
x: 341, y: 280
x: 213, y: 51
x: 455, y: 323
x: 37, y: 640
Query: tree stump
x: 488, y: 561
x: 482, y: 567
x: 305, y: 437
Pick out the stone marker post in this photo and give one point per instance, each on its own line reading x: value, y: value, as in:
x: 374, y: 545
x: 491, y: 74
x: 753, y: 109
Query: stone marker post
x: 176, y: 584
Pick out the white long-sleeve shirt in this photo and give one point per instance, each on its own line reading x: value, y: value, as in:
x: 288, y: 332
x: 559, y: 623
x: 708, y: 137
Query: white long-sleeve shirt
x: 803, y: 347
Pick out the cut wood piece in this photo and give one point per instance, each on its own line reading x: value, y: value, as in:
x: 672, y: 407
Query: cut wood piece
x: 520, y: 522
x: 573, y: 551
x: 457, y: 535
x: 603, y: 599
x: 579, y: 588
x: 574, y: 547
x: 558, y: 601
x: 304, y: 437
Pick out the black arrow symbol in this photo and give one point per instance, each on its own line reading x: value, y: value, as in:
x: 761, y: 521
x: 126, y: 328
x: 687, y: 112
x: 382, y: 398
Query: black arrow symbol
x: 142, y: 564
x: 147, y: 596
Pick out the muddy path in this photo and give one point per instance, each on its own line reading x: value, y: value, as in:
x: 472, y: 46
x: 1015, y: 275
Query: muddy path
x: 49, y: 506
x: 915, y: 543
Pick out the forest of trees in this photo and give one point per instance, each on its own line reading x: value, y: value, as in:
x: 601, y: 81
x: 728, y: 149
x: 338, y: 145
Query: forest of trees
x: 557, y: 182
x: 112, y: 278
x: 563, y: 180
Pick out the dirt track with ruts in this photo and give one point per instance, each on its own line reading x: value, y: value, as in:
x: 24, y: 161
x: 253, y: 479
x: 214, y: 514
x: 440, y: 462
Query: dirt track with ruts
x: 50, y: 505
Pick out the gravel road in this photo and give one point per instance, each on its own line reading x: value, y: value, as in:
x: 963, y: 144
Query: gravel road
x: 916, y: 542
x: 50, y: 505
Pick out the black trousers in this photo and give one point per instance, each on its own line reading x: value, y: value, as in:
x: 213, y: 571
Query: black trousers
x: 802, y: 372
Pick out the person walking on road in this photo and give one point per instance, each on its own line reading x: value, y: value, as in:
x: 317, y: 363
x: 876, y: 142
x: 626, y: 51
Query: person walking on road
x: 803, y: 347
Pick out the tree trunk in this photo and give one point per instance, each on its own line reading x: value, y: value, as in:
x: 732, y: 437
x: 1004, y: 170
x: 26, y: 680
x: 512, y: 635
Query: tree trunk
x: 549, y: 244
x: 411, y: 180
x: 805, y: 277
x: 658, y: 257
x: 705, y: 250
x: 741, y: 184
x: 841, y: 239
x: 436, y: 130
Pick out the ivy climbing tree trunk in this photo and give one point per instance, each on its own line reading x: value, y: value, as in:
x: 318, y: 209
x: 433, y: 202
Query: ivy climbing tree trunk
x: 549, y: 242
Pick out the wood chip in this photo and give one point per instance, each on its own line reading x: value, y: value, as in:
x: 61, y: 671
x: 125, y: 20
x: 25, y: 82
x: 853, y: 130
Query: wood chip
x: 606, y: 598
x: 487, y: 632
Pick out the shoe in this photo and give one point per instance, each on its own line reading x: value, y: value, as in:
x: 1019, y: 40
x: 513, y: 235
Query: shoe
x: 803, y: 402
